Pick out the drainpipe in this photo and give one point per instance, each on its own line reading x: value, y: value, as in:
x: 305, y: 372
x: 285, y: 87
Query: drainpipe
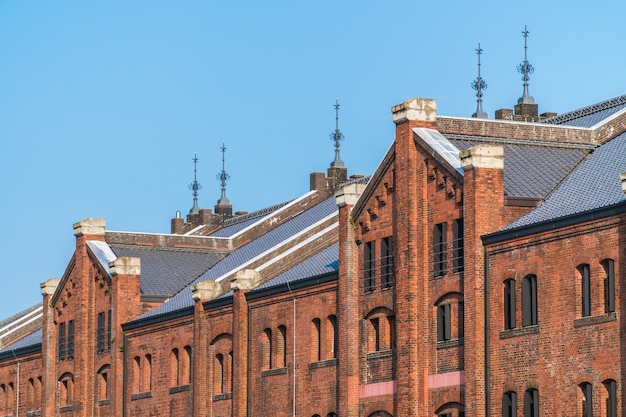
x: 293, y: 400
x: 124, y: 375
x: 487, y: 335
x: 17, y: 404
x: 248, y: 365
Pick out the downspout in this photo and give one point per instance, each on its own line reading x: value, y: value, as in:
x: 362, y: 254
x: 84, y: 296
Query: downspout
x: 124, y: 375
x: 248, y: 365
x: 487, y: 335
x: 294, y: 351
x: 17, y: 404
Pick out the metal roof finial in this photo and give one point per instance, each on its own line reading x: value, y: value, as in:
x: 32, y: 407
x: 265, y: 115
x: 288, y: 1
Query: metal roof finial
x: 223, y: 177
x: 337, y: 136
x: 525, y: 69
x: 479, y: 85
x: 195, y: 187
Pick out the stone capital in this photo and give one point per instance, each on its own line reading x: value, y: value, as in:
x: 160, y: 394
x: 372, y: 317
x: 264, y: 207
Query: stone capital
x: 349, y: 195
x: 48, y: 287
x: 125, y: 266
x: 483, y: 156
x: 245, y: 279
x: 90, y: 226
x: 206, y: 290
x: 422, y: 109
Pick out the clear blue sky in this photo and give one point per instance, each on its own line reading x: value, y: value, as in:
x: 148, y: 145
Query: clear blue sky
x: 103, y: 104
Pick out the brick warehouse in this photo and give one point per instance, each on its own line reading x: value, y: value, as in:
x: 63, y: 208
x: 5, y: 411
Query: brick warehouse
x: 476, y: 272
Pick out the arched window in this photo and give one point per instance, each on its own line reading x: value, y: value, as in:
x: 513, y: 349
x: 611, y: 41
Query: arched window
x: 450, y: 317
x: 610, y: 398
x: 585, y: 277
x: 66, y: 392
x: 218, y: 374
x: 135, y: 376
x: 282, y: 346
x: 380, y: 328
x: 529, y: 301
x: 509, y: 304
x: 38, y: 393
x: 229, y: 382
x: 185, y: 376
x: 316, y: 336
x: 609, y: 285
x: 103, y: 383
x: 531, y: 403
x: 509, y: 404
x: 146, y: 374
x: 266, y: 349
x: 30, y: 394
x: 332, y: 335
x: 586, y: 403
x: 174, y: 368
x: 3, y: 399
x: 10, y: 399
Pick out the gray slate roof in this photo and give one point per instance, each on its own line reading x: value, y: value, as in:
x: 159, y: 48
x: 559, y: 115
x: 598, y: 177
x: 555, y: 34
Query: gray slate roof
x: 594, y: 185
x: 245, y: 253
x: 165, y: 270
x: 32, y: 339
x: 321, y: 263
x: 591, y: 115
x: 238, y: 223
x: 532, y: 168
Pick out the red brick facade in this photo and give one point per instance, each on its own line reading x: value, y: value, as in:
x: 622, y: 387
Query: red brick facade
x: 430, y: 313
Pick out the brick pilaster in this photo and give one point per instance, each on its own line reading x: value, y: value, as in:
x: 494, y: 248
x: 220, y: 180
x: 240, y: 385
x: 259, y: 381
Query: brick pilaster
x: 202, y: 360
x: 244, y: 280
x: 348, y: 306
x: 483, y: 190
x: 48, y: 348
x: 410, y: 227
x: 125, y: 306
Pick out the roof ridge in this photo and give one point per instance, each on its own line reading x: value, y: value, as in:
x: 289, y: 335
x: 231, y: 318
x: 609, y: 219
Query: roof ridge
x: 585, y: 111
x: 258, y: 213
x: 166, y: 248
x: 531, y: 142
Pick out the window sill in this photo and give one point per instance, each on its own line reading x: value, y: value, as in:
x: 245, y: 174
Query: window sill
x: 66, y: 409
x: 104, y: 402
x: 140, y: 395
x: 323, y: 364
x: 275, y: 371
x: 380, y: 354
x: 224, y: 396
x: 180, y: 388
x: 522, y: 331
x: 591, y: 320
x: 445, y: 344
x: 34, y: 413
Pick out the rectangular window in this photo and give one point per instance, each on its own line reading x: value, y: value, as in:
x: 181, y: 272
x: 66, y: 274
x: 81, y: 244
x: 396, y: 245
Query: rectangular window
x: 439, y: 248
x: 443, y: 322
x: 509, y: 304
x: 586, y: 290
x: 368, y: 265
x: 386, y: 253
x: 457, y: 246
x: 100, y: 333
x: 61, y: 348
x: 609, y: 285
x: 70, y: 339
x: 109, y: 329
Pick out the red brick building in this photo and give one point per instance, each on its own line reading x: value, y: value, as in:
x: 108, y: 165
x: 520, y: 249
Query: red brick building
x: 475, y: 273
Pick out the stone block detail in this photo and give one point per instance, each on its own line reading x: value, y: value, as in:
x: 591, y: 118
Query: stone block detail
x: 125, y: 266
x: 89, y: 226
x: 421, y: 109
x: 483, y: 156
x: 48, y: 287
x: 206, y: 290
x: 245, y: 279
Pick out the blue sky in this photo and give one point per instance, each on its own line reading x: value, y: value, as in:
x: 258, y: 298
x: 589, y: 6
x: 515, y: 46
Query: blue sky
x: 103, y: 104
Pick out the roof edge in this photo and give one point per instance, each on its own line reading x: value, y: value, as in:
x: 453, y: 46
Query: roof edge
x: 170, y: 315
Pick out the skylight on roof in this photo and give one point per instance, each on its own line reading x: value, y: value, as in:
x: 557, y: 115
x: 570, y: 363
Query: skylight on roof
x: 441, y: 145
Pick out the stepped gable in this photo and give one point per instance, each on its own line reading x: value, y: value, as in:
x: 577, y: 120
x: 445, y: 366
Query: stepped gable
x: 250, y: 252
x: 593, y: 185
x: 532, y: 168
x: 591, y: 115
x: 164, y: 270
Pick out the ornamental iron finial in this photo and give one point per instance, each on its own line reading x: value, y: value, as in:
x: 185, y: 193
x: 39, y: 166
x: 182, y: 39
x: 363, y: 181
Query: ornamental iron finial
x: 525, y: 69
x: 195, y: 187
x: 337, y: 136
x: 223, y: 177
x: 479, y: 85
